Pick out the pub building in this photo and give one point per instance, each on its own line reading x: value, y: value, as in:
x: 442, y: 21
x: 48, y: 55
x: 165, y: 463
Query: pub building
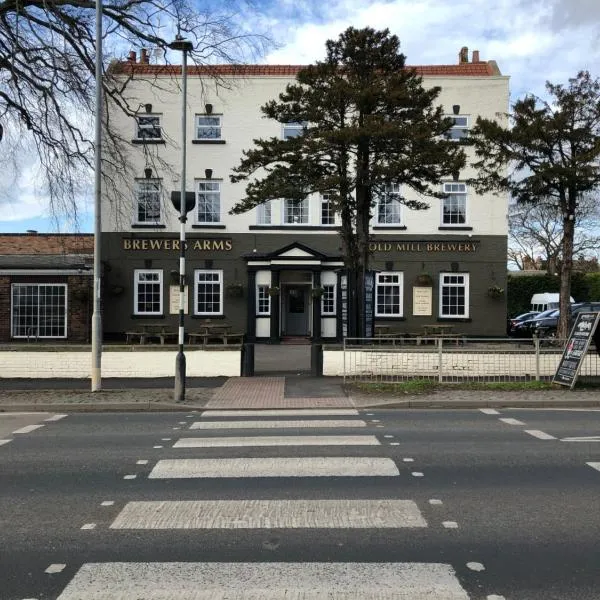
x: 277, y: 272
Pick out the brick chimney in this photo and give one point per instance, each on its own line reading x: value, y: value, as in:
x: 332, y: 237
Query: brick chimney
x: 132, y: 56
x: 463, y: 55
x: 144, y: 57
x: 476, y: 56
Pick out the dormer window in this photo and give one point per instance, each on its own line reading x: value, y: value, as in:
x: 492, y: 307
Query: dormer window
x: 460, y: 129
x: 148, y: 127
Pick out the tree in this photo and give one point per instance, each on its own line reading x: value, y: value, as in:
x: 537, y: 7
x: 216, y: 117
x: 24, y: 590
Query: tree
x: 536, y: 234
x: 47, y: 78
x: 369, y: 124
x: 553, y: 147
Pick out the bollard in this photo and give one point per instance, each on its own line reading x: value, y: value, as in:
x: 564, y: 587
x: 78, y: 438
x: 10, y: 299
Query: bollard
x: 316, y: 360
x: 247, y: 360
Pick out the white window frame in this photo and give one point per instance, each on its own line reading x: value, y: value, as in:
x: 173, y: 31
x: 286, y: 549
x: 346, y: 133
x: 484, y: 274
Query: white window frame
x: 216, y: 128
x: 148, y: 127
x: 399, y: 283
x: 332, y: 312
x: 444, y: 281
x: 305, y: 211
x: 137, y: 283
x: 326, y: 206
x: 139, y: 183
x: 458, y: 128
x: 14, y: 286
x: 262, y: 293
x: 464, y: 192
x: 264, y: 213
x: 197, y: 273
x: 216, y: 191
x: 297, y: 127
x: 391, y: 193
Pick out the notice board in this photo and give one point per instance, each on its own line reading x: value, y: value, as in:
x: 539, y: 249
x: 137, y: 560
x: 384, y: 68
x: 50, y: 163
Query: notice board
x: 577, y: 345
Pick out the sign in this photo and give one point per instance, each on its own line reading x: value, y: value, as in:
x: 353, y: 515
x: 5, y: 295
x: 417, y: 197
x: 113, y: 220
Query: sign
x: 170, y: 244
x: 369, y: 303
x: 174, y: 300
x: 461, y: 247
x: 344, y: 302
x: 422, y: 301
x: 577, y: 345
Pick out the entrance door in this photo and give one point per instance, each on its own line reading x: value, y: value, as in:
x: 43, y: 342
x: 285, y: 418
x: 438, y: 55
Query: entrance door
x: 296, y: 310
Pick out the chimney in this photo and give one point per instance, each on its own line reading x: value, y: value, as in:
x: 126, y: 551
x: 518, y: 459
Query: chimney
x: 476, y: 56
x: 132, y: 56
x: 144, y: 57
x: 463, y: 55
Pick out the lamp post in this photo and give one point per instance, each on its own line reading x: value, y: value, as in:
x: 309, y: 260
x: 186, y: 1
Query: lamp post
x: 184, y: 46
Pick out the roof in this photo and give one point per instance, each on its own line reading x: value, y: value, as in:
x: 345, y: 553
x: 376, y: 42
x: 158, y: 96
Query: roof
x: 83, y: 262
x: 468, y: 69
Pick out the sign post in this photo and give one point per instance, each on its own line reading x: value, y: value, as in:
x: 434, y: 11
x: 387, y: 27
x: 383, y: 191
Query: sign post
x: 577, y: 345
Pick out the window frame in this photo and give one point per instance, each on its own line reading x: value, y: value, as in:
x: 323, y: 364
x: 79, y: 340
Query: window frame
x: 297, y: 126
x: 326, y: 210
x: 200, y: 182
x: 399, y: 284
x: 458, y: 128
x: 466, y: 287
x: 218, y: 127
x: 139, y: 128
x: 219, y: 272
x: 65, y: 307
x: 264, y: 213
x: 465, y: 196
x: 136, y: 284
x: 263, y: 288
x: 305, y: 201
x: 332, y: 312
x: 138, y: 191
x: 391, y: 192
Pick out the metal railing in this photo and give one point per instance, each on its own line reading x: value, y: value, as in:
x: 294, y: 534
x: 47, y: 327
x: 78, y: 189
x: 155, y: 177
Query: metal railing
x: 457, y: 359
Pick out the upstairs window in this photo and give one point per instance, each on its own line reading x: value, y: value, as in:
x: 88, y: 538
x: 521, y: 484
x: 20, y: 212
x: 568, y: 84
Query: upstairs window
x: 263, y: 213
x: 460, y: 129
x: 327, y: 212
x: 208, y: 201
x: 208, y: 127
x: 294, y: 129
x: 148, y: 194
x: 148, y: 127
x: 388, y: 206
x: 454, y: 205
x: 295, y: 212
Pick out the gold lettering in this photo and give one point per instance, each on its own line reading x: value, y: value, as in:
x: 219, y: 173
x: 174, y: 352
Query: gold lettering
x: 387, y: 247
x: 436, y: 247
x: 372, y: 246
x: 452, y: 247
x: 167, y: 245
x: 176, y: 244
x: 461, y: 247
x: 218, y: 245
x: 228, y: 245
x: 144, y: 244
x: 136, y: 244
x: 197, y: 245
x: 155, y: 244
x: 126, y: 244
x: 206, y: 245
x: 400, y: 247
x: 429, y: 247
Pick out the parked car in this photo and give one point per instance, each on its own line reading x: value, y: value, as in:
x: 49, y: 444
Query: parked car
x: 512, y: 323
x: 525, y: 328
x: 546, y: 327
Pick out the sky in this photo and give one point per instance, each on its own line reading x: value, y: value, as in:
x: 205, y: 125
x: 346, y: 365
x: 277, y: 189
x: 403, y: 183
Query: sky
x: 532, y: 41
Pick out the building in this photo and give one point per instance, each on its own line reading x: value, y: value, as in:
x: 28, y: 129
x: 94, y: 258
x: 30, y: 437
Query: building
x: 277, y: 270
x: 46, y: 287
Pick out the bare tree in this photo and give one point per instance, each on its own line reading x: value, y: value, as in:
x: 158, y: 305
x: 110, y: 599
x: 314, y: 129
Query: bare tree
x: 47, y: 82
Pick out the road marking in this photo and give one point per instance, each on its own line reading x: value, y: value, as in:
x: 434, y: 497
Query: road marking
x: 130, y: 477
x: 375, y: 420
x: 28, y: 429
x: 594, y: 465
x: 276, y: 424
x: 270, y: 514
x: 2, y: 442
x: 107, y: 503
x: 165, y: 439
x: 394, y: 443
x: 56, y: 417
x: 158, y: 446
x: 511, y: 421
x: 141, y: 462
x: 274, y: 467
x: 417, y: 474
x: 435, y: 501
x: 55, y: 568
x: 387, y: 435
x: 408, y: 460
x: 475, y: 566
x: 89, y: 526
x: 282, y: 412
x: 182, y: 422
x: 539, y: 434
x: 591, y: 438
x: 290, y: 440
x: 450, y: 524
x: 489, y: 411
x: 268, y: 581
x: 495, y: 597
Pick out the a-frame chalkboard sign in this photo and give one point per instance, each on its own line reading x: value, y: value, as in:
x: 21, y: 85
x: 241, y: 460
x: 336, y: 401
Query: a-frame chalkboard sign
x: 579, y: 340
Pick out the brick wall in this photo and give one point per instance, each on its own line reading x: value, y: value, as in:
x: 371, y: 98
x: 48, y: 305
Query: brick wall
x: 43, y: 243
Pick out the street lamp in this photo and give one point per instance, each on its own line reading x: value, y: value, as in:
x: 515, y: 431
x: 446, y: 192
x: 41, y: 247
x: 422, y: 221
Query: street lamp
x: 184, y: 46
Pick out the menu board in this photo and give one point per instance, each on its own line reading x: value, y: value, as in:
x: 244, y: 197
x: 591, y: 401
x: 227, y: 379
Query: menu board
x: 422, y: 301
x: 174, y: 300
x: 577, y: 345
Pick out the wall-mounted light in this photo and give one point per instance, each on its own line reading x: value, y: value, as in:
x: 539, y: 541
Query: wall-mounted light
x: 456, y: 109
x: 208, y: 108
x: 148, y: 107
x: 454, y: 267
x: 208, y: 173
x: 148, y: 172
x: 456, y: 175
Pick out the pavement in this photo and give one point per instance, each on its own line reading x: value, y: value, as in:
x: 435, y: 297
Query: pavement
x: 270, y: 392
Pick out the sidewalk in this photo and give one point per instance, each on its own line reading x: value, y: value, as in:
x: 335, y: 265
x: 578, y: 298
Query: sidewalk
x: 259, y: 393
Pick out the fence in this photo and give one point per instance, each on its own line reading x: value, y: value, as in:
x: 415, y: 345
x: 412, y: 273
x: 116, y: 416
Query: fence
x: 457, y: 359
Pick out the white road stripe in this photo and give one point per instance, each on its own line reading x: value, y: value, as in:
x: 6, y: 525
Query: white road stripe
x: 2, y: 442
x: 265, y: 581
x: 281, y: 412
x: 107, y: 503
x: 450, y: 524
x: 89, y: 526
x: 594, y: 465
x: 590, y: 438
x: 489, y: 411
x: 56, y: 417
x: 539, y: 434
x: 276, y: 424
x: 290, y: 440
x: 28, y: 429
x: 270, y: 514
x: 274, y: 467
x: 511, y: 421
x: 55, y: 568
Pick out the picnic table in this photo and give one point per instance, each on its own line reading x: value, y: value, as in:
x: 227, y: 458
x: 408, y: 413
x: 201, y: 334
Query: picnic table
x: 150, y: 331
x: 215, y: 332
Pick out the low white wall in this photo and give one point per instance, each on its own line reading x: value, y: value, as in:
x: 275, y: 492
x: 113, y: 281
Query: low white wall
x: 77, y: 364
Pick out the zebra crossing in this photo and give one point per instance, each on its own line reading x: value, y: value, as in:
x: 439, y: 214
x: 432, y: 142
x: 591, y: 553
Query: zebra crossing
x: 269, y: 580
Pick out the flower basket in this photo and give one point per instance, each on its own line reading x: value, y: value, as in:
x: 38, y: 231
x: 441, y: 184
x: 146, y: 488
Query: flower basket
x: 235, y: 290
x: 495, y: 291
x: 424, y: 279
x: 274, y: 291
x: 317, y: 292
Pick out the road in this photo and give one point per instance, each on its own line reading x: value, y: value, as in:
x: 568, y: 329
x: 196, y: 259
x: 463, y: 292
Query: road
x: 410, y: 505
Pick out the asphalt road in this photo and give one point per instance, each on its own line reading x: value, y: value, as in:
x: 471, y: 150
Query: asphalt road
x: 415, y: 505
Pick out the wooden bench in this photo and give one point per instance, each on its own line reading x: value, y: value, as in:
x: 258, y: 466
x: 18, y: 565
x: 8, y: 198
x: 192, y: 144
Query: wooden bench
x: 208, y: 337
x: 157, y: 332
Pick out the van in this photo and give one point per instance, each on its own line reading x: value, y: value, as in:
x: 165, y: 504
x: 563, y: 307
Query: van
x: 546, y: 301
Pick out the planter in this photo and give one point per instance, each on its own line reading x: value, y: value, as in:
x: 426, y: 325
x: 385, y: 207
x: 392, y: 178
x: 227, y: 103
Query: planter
x: 495, y: 292
x: 317, y: 292
x: 273, y: 291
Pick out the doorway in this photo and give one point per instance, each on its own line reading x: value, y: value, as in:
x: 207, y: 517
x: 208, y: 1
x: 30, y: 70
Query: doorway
x: 296, y: 310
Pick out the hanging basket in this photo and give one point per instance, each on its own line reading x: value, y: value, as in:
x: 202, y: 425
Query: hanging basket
x: 274, y: 291
x: 235, y: 290
x: 495, y: 292
x: 316, y: 292
x: 424, y: 279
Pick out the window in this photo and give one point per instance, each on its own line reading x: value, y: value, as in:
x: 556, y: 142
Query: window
x: 263, y: 300
x: 388, y: 206
x: 39, y: 310
x: 148, y: 292
x: 454, y: 295
x: 208, y: 293
x: 388, y: 294
x: 460, y: 129
x: 263, y: 213
x: 454, y: 206
x: 295, y: 211
x: 147, y: 201
x: 148, y: 127
x: 292, y: 130
x: 208, y: 201
x: 327, y: 212
x: 208, y: 128
x: 328, y: 300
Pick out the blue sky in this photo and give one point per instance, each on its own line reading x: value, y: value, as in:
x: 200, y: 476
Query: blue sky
x: 531, y: 40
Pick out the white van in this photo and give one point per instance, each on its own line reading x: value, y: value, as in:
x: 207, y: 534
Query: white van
x: 546, y: 301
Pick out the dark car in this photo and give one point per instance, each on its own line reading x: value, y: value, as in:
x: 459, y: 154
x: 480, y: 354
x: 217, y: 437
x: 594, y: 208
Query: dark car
x: 525, y: 328
x: 512, y: 323
x: 546, y: 328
